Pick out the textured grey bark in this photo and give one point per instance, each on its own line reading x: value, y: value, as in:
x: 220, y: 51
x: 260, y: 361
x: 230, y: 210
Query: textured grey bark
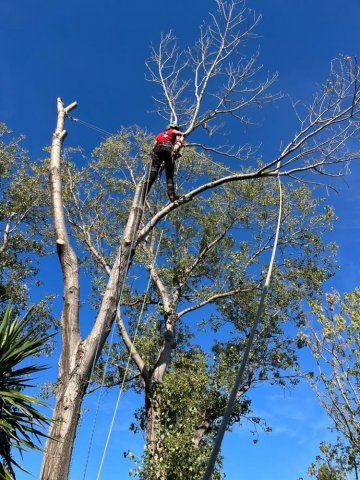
x: 78, y: 355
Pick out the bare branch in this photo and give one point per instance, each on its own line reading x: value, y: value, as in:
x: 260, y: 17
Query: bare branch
x: 67, y: 256
x: 180, y: 74
x: 213, y: 298
x: 113, y: 384
x: 6, y: 234
x: 202, y: 255
x: 131, y: 348
x: 244, y: 152
x: 158, y: 282
x: 83, y: 227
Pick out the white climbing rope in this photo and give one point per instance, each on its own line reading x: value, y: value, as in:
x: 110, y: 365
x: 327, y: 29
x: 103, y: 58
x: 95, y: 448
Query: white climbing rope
x: 239, y: 377
x: 127, y: 366
x: 108, y: 352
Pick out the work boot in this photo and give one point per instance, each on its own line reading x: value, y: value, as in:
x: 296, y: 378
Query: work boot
x: 173, y: 197
x: 140, y: 228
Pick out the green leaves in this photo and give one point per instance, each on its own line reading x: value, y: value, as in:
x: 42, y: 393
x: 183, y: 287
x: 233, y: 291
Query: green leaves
x: 185, y: 405
x: 24, y: 211
x: 211, y: 263
x: 333, y: 336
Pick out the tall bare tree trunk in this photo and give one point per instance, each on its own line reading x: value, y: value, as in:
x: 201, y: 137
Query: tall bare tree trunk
x: 66, y: 417
x: 77, y: 355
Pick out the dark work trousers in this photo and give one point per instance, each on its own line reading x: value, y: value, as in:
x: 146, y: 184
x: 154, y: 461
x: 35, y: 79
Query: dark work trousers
x: 160, y: 157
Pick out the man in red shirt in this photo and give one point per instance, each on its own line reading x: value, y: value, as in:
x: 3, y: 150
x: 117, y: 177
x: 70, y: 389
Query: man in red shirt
x: 165, y: 151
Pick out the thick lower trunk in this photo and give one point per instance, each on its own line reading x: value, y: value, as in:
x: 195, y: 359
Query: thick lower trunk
x: 153, y: 431
x: 153, y: 391
x: 153, y: 413
x: 200, y: 432
x: 78, y: 357
x: 58, y: 448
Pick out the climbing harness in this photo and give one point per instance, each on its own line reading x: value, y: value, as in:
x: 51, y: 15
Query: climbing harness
x: 101, y: 131
x: 235, y: 389
x: 164, y: 153
x: 216, y: 448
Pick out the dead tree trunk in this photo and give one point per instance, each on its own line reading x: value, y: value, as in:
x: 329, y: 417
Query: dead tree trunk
x: 77, y: 355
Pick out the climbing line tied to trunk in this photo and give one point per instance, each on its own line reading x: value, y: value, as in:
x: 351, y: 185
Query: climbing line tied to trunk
x: 106, y: 133
x: 239, y: 377
x: 99, y: 130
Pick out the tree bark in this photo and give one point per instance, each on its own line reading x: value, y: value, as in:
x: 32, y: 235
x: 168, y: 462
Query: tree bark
x: 79, y: 356
x: 65, y: 420
x: 153, y: 429
x: 153, y: 394
x: 152, y: 403
x: 164, y: 359
x: 200, y: 432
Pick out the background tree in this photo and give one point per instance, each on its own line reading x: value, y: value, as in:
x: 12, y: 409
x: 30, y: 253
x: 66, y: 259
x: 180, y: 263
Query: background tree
x: 21, y: 423
x: 319, y: 146
x: 24, y: 215
x: 326, y: 473
x: 214, y: 258
x: 334, y: 341
x: 210, y: 268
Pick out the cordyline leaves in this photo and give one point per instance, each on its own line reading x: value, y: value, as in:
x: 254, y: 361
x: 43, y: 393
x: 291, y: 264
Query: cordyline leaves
x: 21, y: 423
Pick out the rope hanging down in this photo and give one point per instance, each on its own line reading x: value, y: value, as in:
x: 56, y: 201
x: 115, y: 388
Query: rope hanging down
x: 127, y: 366
x: 108, y: 352
x: 239, y: 377
x: 93, y: 428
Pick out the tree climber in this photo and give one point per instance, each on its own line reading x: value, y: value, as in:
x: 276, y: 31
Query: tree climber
x: 164, y: 152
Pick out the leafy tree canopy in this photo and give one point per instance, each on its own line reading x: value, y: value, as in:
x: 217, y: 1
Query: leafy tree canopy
x: 207, y: 263
x: 333, y: 336
x: 24, y: 219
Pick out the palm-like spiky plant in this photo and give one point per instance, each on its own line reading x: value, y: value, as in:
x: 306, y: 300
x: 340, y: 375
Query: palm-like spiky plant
x: 21, y: 424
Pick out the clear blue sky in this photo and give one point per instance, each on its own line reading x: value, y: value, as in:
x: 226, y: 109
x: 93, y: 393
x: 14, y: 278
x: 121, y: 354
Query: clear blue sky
x: 94, y: 52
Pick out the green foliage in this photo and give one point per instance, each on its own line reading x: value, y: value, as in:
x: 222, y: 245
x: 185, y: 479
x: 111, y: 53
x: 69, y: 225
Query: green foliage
x: 326, y: 474
x: 98, y: 192
x: 334, y: 340
x: 187, y: 406
x: 24, y: 211
x: 211, y: 260
x: 21, y: 423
